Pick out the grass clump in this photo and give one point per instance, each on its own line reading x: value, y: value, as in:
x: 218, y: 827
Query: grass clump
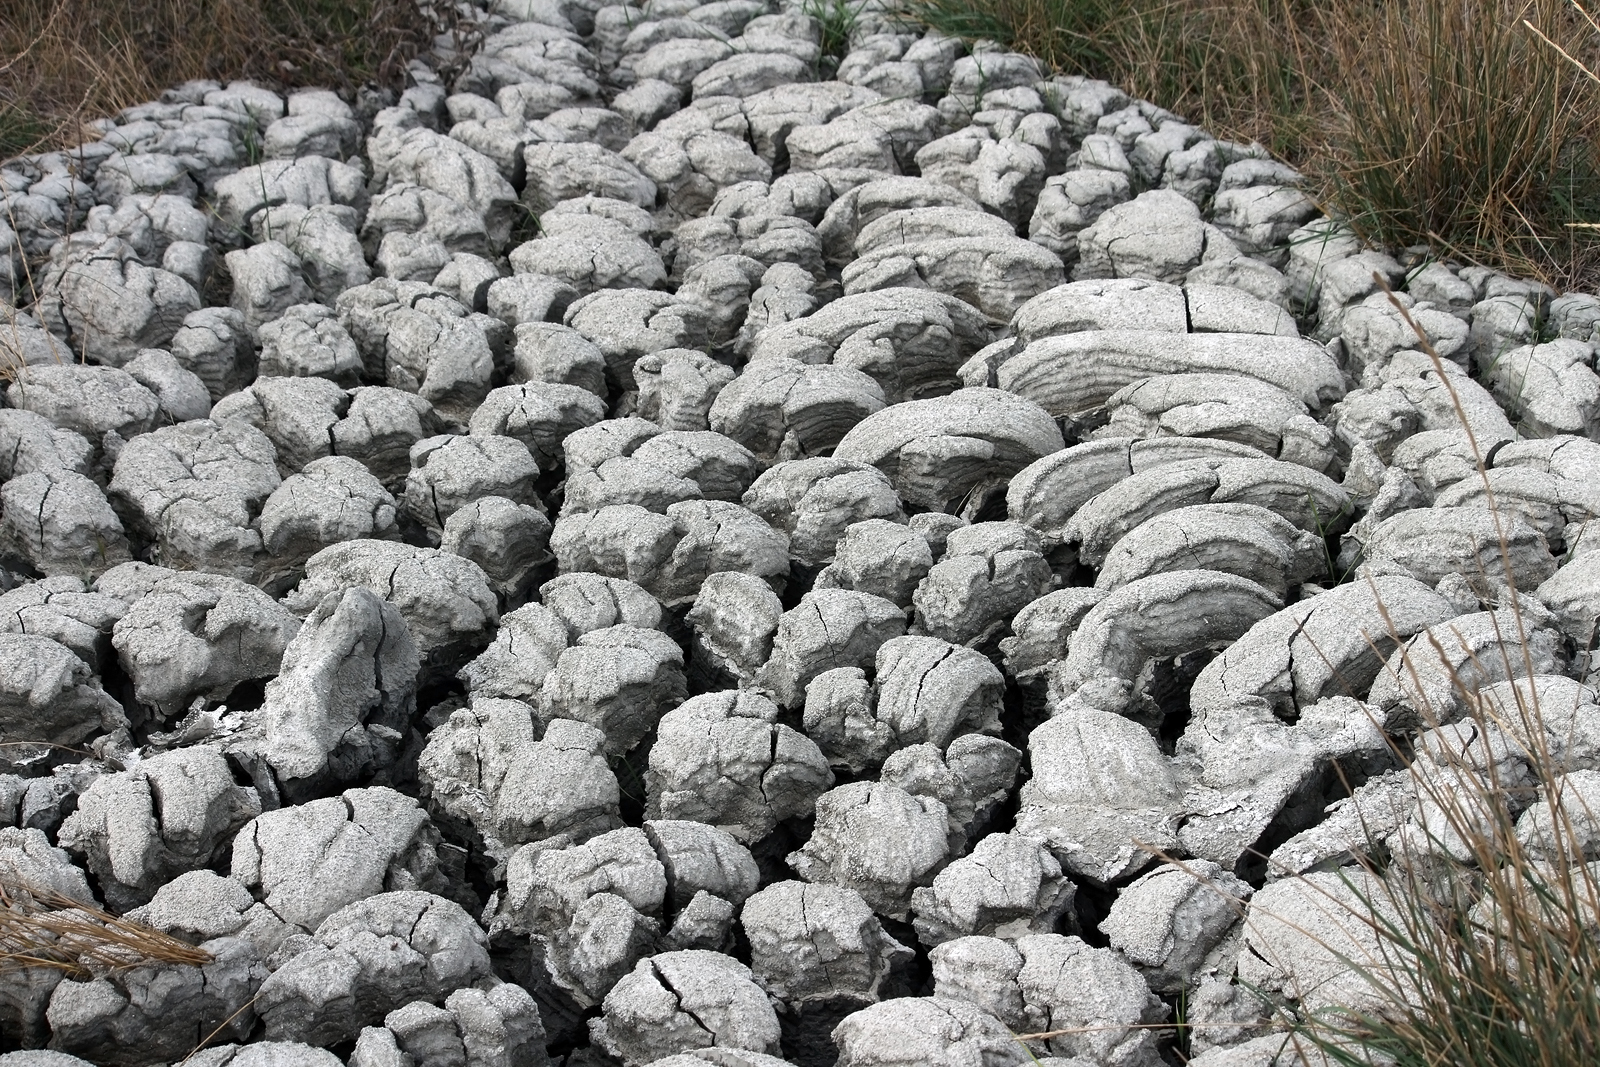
x: 1444, y: 122
x: 1488, y: 954
x: 1225, y: 63
x: 63, y: 62
x: 1458, y: 127
x: 1485, y: 911
x: 837, y: 21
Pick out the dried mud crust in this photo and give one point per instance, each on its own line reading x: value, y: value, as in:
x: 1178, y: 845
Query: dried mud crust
x: 639, y: 556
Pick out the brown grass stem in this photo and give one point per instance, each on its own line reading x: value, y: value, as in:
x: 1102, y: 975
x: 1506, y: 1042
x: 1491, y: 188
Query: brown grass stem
x: 42, y: 927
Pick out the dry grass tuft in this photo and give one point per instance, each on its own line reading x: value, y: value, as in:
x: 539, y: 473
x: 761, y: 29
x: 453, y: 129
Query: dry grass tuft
x: 46, y: 928
x: 1457, y: 126
x: 1444, y: 122
x: 1486, y: 961
x: 63, y: 62
x: 1489, y: 938
x: 1485, y: 926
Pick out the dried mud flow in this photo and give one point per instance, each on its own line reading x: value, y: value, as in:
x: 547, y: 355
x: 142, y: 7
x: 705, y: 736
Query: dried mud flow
x: 662, y: 551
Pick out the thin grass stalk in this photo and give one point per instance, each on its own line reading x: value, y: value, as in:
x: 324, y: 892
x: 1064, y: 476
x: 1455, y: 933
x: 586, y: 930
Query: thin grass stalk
x: 1496, y: 956
x: 1487, y: 952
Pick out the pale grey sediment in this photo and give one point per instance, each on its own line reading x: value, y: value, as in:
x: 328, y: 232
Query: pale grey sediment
x: 643, y: 554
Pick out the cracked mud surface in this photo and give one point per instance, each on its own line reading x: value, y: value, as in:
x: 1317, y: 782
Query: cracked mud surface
x: 640, y: 556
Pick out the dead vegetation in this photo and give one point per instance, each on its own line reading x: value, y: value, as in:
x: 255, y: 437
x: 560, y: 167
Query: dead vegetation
x: 47, y: 928
x: 1448, y: 123
x: 64, y: 62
